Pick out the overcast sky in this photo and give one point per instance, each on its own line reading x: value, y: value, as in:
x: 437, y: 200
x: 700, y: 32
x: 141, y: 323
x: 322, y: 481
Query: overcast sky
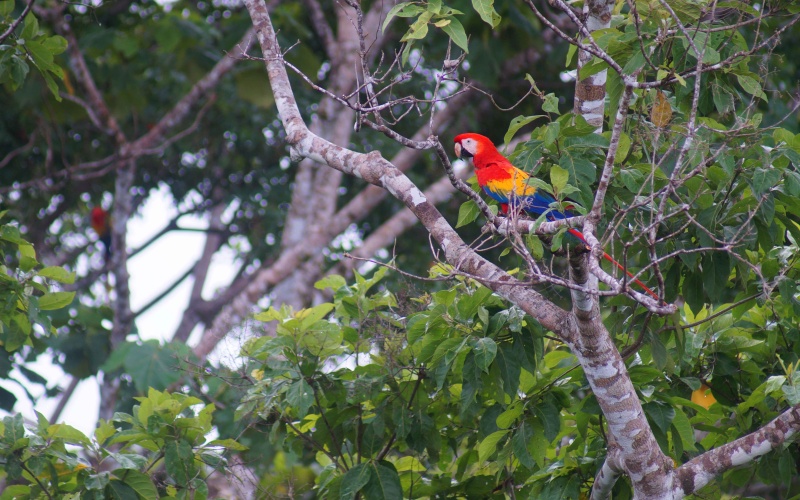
x: 152, y: 271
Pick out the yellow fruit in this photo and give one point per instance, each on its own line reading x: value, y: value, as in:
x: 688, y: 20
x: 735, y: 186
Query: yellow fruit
x: 703, y: 397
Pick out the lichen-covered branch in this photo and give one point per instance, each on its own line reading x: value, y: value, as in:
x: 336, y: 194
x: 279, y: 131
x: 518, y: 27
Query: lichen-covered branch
x: 699, y: 471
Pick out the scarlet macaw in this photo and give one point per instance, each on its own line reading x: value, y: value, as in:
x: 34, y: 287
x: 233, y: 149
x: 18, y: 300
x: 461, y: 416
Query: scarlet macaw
x: 509, y: 185
x: 101, y: 224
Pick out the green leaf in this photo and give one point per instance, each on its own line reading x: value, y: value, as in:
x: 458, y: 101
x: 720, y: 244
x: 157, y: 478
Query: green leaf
x: 519, y: 444
x: 19, y: 71
x: 467, y: 213
x: 485, y: 9
x: 151, y: 365
x: 661, y: 414
x: 570, y: 54
x: 403, y: 9
x: 333, y: 281
x: 485, y: 350
x: 14, y: 491
x: 178, y: 459
x: 792, y: 184
x: 716, y: 274
x: 42, y: 57
x: 489, y: 445
x: 751, y: 86
x: 623, y: 148
x: 408, y: 463
x: 323, y: 338
x: 444, y: 347
x: 419, y: 28
x: 764, y: 179
x: 535, y: 246
x: 129, y: 460
x: 692, y: 290
x: 723, y: 99
x: 550, y: 417
x: 58, y: 273
x: 509, y: 363
x: 301, y: 397
x: 551, y: 133
x: 593, y: 67
x: 558, y: 178
x: 138, y: 482
x: 230, y: 444
x: 354, y: 480
x: 550, y: 104
x: 31, y: 28
x: 55, y: 44
x: 406, y: 53
x: 27, y: 260
x: 508, y: 417
x: 97, y: 481
x: 701, y: 41
x: 792, y: 394
x: 684, y: 429
x: 55, y: 300
x: 471, y: 382
x: 455, y: 30
x: 384, y: 482
x: 312, y: 315
x: 68, y: 434
x: 6, y: 7
x: 516, y: 124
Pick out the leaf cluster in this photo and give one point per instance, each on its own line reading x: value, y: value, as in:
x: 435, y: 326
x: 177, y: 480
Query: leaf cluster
x: 165, y: 432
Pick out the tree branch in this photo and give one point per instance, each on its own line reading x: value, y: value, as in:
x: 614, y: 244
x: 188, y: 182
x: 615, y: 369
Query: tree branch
x: 699, y: 471
x: 17, y: 21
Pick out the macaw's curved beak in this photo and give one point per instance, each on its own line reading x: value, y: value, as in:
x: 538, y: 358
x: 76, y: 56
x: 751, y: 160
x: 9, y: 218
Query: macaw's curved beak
x: 461, y: 152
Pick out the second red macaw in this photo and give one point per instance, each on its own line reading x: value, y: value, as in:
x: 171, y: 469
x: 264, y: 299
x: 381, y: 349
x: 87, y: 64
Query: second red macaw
x: 509, y: 186
x: 101, y: 223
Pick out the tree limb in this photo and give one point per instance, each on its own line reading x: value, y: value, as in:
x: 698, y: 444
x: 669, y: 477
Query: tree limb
x: 699, y: 471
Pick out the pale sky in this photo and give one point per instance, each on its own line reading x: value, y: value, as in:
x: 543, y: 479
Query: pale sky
x: 152, y: 271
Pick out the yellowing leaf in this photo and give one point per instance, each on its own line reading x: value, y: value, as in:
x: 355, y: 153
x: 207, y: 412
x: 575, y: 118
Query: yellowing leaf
x: 661, y: 114
x: 703, y: 397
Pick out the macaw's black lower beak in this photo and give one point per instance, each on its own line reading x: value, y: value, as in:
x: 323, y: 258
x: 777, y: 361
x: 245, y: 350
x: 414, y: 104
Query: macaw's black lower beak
x: 461, y: 152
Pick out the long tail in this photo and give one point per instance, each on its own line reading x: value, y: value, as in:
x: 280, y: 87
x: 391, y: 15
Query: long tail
x: 622, y: 268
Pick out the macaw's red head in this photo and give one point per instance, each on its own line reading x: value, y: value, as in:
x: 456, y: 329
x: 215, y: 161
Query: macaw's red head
x: 478, y: 147
x: 98, y: 218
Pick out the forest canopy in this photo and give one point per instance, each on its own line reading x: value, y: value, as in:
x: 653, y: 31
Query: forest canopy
x: 396, y: 319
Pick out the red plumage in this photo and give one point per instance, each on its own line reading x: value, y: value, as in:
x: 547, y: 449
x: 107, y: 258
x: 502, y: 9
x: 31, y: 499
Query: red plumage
x: 101, y: 224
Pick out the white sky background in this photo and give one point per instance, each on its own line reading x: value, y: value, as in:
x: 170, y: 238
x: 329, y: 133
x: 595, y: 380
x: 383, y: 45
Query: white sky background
x: 152, y: 271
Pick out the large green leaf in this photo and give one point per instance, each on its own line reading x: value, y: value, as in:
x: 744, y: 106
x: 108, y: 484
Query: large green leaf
x: 354, y: 480
x: 138, y: 482
x: 152, y: 365
x: 384, y: 483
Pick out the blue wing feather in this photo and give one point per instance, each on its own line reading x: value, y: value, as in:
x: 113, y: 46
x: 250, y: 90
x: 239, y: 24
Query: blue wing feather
x: 495, y: 195
x: 535, y: 203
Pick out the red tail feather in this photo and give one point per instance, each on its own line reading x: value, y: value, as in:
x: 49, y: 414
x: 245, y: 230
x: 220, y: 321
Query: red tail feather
x: 622, y: 268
